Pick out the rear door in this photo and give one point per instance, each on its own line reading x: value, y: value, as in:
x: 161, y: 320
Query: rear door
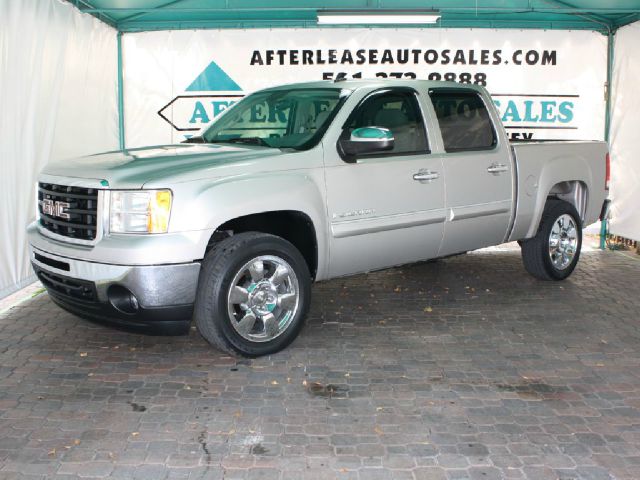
x: 385, y: 209
x: 477, y: 168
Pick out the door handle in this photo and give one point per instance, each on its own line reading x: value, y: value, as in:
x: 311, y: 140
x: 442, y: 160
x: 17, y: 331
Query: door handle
x: 497, y: 168
x: 425, y: 176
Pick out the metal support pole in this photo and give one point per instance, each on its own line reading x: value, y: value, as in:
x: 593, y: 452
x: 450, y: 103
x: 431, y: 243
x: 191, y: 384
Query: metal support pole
x: 607, y: 121
x: 120, y: 94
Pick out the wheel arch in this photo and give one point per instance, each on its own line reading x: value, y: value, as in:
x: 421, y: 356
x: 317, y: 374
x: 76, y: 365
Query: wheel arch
x: 294, y: 226
x: 574, y: 192
x: 288, y: 204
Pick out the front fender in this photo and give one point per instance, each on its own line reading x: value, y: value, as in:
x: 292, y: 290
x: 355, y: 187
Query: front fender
x: 210, y: 203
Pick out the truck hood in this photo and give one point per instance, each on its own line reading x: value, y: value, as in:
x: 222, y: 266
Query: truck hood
x: 134, y: 168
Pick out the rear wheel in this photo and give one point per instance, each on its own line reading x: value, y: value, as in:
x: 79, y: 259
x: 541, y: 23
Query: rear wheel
x: 253, y: 294
x: 554, y: 252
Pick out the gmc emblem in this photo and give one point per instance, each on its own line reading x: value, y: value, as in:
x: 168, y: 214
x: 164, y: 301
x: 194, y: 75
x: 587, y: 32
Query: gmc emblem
x: 55, y: 209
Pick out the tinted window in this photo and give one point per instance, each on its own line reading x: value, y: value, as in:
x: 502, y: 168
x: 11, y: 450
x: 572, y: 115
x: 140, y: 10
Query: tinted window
x: 464, y: 120
x: 397, y: 111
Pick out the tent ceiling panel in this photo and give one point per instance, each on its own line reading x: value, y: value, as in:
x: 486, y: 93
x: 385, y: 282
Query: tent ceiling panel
x: 141, y: 15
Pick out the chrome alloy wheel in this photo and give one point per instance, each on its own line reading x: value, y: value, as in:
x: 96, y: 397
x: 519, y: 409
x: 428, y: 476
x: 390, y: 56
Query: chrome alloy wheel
x: 563, y: 241
x: 263, y: 298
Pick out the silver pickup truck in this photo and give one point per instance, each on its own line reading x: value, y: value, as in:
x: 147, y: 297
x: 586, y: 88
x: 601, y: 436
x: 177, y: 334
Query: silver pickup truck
x: 304, y: 183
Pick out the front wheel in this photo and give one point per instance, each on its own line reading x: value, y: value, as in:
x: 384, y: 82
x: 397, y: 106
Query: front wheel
x: 253, y: 295
x: 554, y: 252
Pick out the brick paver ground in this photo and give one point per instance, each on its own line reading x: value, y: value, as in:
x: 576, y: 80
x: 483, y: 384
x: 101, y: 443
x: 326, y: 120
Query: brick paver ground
x: 464, y: 368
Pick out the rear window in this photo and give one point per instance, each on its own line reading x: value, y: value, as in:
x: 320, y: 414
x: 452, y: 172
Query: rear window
x: 464, y: 120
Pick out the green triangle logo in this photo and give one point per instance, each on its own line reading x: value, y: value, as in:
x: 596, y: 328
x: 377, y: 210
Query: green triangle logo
x: 213, y: 79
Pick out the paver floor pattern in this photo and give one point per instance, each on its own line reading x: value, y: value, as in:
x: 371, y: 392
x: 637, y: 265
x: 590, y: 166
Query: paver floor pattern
x: 463, y: 368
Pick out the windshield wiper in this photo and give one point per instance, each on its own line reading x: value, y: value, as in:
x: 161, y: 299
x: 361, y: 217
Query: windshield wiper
x: 248, y: 140
x: 194, y: 139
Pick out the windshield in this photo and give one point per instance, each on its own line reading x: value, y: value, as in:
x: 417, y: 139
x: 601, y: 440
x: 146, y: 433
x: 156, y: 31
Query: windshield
x: 279, y: 119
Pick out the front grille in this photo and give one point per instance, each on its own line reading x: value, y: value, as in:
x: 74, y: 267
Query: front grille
x: 70, y: 287
x: 70, y: 211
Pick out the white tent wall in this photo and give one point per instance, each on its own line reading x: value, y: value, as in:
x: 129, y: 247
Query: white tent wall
x: 625, y: 127
x: 58, y: 94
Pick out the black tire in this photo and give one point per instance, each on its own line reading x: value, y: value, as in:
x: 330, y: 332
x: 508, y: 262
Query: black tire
x: 535, y: 251
x: 219, y: 268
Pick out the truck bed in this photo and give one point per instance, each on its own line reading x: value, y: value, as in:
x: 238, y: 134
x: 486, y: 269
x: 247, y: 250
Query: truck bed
x: 540, y: 165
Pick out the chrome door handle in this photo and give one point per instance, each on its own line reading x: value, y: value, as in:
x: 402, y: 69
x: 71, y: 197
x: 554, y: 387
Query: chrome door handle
x: 425, y: 176
x: 497, y: 168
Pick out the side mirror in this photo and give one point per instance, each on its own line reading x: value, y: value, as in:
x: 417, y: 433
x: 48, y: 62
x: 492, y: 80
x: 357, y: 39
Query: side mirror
x: 367, y: 140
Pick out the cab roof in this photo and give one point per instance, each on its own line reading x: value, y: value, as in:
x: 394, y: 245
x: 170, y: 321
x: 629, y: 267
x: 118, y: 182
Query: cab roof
x: 356, y: 84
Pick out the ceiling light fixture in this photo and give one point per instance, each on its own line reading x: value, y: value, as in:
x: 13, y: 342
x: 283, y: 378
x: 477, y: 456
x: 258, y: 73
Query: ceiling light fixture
x: 384, y: 17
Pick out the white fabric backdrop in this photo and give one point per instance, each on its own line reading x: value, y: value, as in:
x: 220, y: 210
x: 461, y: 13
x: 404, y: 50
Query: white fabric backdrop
x: 625, y: 134
x: 58, y: 98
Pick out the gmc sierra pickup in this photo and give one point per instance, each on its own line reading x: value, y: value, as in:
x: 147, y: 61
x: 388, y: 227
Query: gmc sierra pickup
x: 303, y: 183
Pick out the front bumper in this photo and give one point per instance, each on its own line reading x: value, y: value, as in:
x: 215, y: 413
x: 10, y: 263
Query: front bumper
x: 132, y: 296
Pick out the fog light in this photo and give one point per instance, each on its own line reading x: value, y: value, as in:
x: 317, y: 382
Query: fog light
x: 122, y: 299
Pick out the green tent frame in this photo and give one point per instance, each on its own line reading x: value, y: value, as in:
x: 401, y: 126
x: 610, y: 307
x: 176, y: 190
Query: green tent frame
x: 145, y: 15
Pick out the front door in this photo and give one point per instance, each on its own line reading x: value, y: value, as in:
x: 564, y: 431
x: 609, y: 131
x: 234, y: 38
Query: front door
x: 387, y: 208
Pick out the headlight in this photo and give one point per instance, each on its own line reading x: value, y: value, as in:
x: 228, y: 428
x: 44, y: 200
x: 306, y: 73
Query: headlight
x: 140, y: 211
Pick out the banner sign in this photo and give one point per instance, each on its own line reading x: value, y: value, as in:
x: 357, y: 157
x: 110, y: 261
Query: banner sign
x: 176, y: 82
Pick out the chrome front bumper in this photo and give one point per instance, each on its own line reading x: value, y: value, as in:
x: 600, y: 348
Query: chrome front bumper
x: 162, y: 293
x: 153, y: 285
